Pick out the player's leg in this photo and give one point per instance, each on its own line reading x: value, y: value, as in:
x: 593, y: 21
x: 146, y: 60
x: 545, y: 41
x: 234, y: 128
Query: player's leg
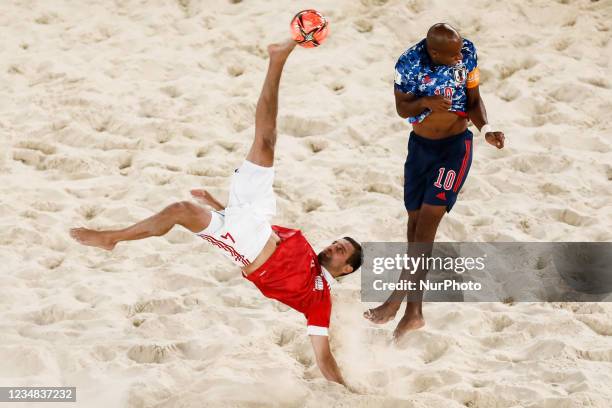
x: 439, y: 198
x: 184, y: 213
x: 415, y: 177
x: 262, y: 149
x: 413, y: 218
x: 389, y: 308
x: 426, y: 227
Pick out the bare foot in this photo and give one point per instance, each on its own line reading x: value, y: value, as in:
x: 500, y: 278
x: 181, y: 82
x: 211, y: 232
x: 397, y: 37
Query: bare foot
x: 383, y: 313
x: 89, y: 237
x: 281, y: 50
x: 408, y: 323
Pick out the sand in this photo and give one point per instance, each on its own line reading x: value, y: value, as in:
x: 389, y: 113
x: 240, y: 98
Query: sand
x: 112, y: 110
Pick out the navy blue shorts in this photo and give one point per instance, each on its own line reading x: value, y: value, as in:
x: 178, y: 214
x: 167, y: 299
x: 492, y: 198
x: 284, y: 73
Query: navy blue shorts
x: 435, y: 170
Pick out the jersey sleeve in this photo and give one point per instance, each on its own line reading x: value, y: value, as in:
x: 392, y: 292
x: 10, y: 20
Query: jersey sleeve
x: 471, y: 64
x: 406, y: 71
x: 318, y: 316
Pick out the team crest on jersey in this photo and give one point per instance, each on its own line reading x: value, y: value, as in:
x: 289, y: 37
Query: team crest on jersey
x: 318, y: 283
x: 460, y: 74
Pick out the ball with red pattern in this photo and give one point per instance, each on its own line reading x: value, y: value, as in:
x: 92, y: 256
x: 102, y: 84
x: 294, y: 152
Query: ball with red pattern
x: 309, y: 28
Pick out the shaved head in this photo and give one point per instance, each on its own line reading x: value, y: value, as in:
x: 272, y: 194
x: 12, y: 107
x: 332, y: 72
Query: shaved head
x: 439, y: 35
x: 444, y: 44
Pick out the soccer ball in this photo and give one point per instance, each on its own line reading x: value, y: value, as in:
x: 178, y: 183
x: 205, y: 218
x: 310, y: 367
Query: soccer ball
x: 309, y: 28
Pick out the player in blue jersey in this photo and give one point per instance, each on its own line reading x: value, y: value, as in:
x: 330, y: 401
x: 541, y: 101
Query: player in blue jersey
x: 436, y: 89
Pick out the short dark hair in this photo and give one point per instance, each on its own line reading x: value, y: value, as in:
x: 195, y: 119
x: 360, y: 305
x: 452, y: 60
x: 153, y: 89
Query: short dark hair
x: 355, y: 259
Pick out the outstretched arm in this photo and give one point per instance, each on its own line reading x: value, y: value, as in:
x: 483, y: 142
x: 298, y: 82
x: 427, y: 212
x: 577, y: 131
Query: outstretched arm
x: 207, y: 198
x: 325, y: 359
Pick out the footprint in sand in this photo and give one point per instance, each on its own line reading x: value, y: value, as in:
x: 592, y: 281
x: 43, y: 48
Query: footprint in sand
x: 536, y: 163
x: 52, y: 262
x: 43, y: 147
x: 508, y: 92
x: 302, y: 126
x: 426, y: 382
x: 383, y: 188
x: 154, y: 353
x: 286, y: 337
x: 500, y: 323
x: 90, y: 211
x: 506, y: 70
x: 317, y: 145
x: 56, y: 313
x: 235, y: 70
x: 598, y: 81
x: 241, y: 115
x: 124, y: 162
x: 311, y: 205
x: 551, y: 189
x: 482, y: 221
x: 20, y: 236
x: 158, y: 177
x: 195, y: 350
x: 603, y: 355
x: 561, y: 44
x: 600, y: 324
x: 571, y: 217
x: 171, y: 91
x: 374, y: 3
x: 336, y: 87
x: 434, y: 350
x: 157, y: 306
x: 28, y: 157
x: 571, y: 92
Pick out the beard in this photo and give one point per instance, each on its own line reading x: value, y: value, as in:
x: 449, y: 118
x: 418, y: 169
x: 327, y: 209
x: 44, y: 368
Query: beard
x: 323, y: 258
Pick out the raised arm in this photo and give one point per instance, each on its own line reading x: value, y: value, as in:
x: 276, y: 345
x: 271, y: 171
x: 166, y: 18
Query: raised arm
x: 325, y: 359
x: 207, y: 198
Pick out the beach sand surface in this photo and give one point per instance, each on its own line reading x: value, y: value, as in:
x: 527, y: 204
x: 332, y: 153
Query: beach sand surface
x: 112, y: 110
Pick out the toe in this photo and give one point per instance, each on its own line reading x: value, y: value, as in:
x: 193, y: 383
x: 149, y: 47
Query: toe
x: 371, y: 316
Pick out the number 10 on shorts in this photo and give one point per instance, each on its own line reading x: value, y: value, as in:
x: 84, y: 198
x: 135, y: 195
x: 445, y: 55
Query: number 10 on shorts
x: 448, y: 181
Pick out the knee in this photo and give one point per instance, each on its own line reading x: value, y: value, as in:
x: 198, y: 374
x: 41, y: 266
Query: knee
x: 269, y: 139
x: 180, y: 209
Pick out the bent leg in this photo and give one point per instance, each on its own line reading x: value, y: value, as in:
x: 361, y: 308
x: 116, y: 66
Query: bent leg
x: 184, y: 213
x: 262, y: 149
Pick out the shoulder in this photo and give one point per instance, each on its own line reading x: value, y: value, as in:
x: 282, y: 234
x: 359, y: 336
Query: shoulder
x: 468, y: 49
x: 413, y: 55
x: 469, y: 54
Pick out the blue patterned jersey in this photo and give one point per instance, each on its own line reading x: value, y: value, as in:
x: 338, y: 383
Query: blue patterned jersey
x: 415, y: 73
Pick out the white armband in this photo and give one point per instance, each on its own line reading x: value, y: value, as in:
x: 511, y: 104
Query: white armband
x: 486, y: 129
